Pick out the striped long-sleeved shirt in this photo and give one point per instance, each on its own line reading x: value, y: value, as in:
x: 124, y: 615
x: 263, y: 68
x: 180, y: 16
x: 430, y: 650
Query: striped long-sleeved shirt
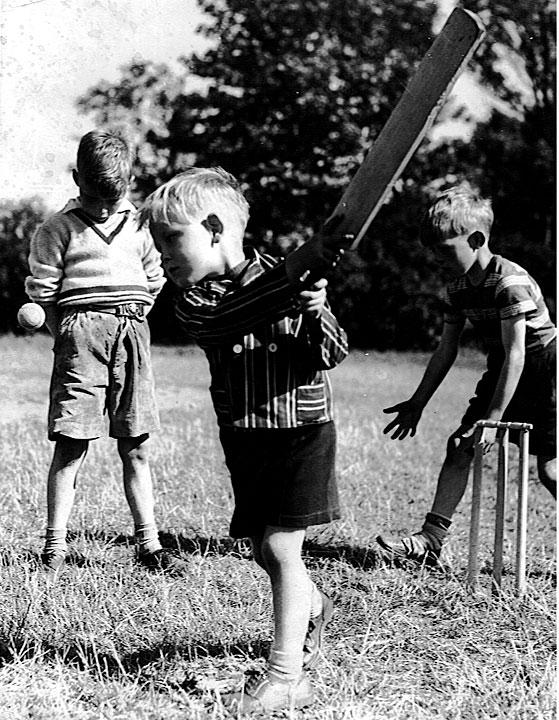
x: 268, y: 361
x: 506, y: 291
x: 76, y: 262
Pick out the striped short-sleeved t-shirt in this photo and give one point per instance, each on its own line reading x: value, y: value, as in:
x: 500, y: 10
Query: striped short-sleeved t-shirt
x: 506, y: 291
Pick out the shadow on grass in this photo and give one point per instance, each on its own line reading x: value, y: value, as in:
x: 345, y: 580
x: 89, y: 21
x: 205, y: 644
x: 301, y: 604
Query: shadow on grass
x: 361, y: 558
x: 14, y: 557
x: 142, y: 666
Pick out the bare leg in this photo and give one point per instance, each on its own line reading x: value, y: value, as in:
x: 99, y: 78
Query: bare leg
x: 137, y: 478
x: 425, y: 546
x: 285, y: 685
x: 138, y: 488
x: 67, y: 459
x: 291, y: 587
x: 453, y: 478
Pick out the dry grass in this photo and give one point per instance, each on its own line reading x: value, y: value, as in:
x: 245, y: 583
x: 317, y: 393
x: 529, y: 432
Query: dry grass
x: 112, y: 641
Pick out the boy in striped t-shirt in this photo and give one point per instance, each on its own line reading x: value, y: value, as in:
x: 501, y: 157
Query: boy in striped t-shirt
x: 97, y: 275
x: 269, y: 338
x: 505, y: 305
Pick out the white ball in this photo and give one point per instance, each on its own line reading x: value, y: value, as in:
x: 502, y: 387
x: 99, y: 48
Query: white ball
x: 31, y: 316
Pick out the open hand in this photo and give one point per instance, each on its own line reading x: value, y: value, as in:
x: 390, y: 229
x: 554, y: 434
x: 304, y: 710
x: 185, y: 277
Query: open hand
x: 405, y: 422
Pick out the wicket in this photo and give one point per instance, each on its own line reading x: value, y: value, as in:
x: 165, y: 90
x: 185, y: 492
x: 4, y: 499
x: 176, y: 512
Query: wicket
x: 502, y: 479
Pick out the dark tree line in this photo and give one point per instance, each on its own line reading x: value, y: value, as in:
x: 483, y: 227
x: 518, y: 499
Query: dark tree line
x: 288, y: 98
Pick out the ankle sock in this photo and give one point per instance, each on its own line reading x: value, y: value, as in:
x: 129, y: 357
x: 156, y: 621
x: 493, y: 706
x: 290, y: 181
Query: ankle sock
x: 55, y: 541
x: 147, y: 539
x: 284, y: 666
x: 435, y: 529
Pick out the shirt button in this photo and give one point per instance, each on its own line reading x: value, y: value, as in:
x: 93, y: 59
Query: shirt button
x: 237, y: 349
x: 272, y: 347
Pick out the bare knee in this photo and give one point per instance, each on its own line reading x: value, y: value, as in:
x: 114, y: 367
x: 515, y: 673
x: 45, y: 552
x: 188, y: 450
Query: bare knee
x: 547, y: 473
x: 280, y: 550
x: 459, y: 452
x: 134, y: 451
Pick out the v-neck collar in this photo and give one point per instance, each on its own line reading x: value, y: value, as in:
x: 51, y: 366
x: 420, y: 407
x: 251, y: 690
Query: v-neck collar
x: 84, y: 217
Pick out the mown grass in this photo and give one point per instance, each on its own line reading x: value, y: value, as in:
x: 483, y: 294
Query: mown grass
x: 110, y: 640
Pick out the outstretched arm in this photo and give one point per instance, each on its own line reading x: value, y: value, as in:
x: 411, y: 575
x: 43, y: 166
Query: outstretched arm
x: 513, y: 336
x: 410, y: 411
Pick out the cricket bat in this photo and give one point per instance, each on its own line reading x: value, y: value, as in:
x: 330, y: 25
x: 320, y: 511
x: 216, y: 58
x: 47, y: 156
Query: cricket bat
x: 405, y: 128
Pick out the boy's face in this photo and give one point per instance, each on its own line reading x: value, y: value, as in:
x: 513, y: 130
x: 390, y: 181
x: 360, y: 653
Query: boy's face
x: 97, y: 207
x: 456, y: 255
x: 187, y: 253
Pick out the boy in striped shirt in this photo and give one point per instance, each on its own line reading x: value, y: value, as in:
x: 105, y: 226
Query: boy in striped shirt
x: 505, y: 305
x: 269, y: 338
x: 97, y: 275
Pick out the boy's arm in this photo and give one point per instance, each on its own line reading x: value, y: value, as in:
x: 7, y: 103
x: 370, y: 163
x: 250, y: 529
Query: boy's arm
x: 46, y: 263
x: 212, y: 317
x: 151, y: 261
x: 409, y: 411
x: 513, y: 337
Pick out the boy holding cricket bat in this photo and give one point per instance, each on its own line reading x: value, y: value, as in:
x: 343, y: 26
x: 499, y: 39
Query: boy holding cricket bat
x: 505, y: 305
x: 269, y: 337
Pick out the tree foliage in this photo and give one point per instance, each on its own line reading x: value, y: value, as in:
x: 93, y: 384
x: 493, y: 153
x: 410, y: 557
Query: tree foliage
x: 18, y: 221
x: 511, y: 157
x: 295, y: 91
x: 289, y: 96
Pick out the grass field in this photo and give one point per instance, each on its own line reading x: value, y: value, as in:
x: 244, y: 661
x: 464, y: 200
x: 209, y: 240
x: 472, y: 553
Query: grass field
x: 110, y: 640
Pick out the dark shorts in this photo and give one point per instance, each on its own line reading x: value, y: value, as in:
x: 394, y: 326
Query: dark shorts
x: 533, y: 402
x: 281, y: 477
x: 102, y: 368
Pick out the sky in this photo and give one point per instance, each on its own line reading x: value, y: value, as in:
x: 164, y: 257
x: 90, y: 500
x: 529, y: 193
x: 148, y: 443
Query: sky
x: 52, y: 51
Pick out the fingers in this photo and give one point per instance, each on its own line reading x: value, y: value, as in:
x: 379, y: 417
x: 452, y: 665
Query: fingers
x: 390, y: 426
x: 487, y: 447
x: 319, y: 284
x: 393, y: 408
x: 401, y: 431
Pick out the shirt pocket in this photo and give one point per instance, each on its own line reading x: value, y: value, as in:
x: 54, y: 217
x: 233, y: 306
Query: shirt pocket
x: 311, y: 404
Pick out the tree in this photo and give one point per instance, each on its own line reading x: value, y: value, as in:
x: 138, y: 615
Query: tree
x: 18, y: 221
x: 295, y: 92
x: 512, y: 156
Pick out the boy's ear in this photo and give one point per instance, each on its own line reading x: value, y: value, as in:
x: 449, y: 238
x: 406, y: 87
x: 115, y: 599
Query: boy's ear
x: 476, y: 240
x: 214, y: 226
x: 76, y: 177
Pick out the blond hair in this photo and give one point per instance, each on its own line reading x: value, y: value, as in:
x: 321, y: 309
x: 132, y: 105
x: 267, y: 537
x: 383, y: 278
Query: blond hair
x: 456, y: 211
x: 194, y: 193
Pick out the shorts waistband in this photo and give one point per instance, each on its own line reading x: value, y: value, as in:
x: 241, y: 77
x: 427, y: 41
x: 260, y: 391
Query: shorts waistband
x: 131, y: 310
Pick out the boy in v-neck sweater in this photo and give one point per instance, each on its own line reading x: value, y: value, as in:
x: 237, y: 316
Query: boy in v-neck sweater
x: 96, y: 275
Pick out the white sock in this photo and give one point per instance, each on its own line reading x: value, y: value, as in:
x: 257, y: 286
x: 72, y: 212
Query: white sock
x: 147, y: 538
x: 55, y: 541
x: 284, y: 666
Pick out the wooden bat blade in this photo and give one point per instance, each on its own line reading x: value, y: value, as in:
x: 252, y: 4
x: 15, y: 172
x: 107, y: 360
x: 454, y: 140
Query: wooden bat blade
x: 405, y: 128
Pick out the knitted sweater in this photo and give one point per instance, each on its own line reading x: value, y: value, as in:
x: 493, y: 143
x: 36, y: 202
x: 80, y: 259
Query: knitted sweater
x: 75, y: 261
